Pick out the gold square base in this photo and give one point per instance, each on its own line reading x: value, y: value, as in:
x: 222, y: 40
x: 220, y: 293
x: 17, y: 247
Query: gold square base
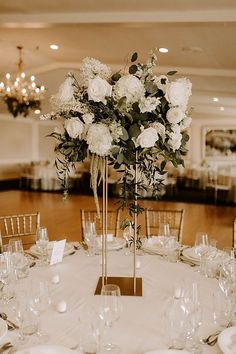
x: 126, y: 285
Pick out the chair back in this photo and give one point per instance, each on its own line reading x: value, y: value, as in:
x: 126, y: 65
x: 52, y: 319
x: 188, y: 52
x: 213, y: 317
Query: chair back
x: 113, y: 221
x: 23, y: 226
x: 234, y: 234
x: 156, y: 218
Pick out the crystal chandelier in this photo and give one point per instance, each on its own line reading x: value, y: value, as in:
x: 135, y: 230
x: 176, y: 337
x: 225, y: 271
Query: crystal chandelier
x: 21, y: 96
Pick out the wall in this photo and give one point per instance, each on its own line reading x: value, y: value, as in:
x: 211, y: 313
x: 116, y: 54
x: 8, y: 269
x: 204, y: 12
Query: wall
x: 23, y: 140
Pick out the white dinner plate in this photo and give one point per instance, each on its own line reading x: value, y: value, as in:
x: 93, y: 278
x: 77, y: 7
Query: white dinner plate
x: 155, y: 245
x: 116, y: 244
x: 227, y: 340
x: 167, y: 351
x: 3, y: 328
x: 190, y: 254
x: 45, y: 349
x: 67, y: 250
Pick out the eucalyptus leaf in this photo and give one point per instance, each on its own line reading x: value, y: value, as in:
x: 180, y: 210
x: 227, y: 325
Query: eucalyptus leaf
x: 125, y: 135
x: 171, y: 73
x: 120, y: 158
x: 116, y: 76
x: 134, y: 57
x: 134, y: 131
x: 133, y: 69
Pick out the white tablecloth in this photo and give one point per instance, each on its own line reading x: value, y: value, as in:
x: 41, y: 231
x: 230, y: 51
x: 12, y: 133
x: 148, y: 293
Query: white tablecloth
x: 142, y: 325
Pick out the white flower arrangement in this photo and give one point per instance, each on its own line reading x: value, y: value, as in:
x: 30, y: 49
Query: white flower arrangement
x: 133, y: 118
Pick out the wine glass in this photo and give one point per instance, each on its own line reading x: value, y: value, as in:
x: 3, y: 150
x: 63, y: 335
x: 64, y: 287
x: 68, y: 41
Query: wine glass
x: 42, y: 243
x: 91, y: 327
x: 164, y: 230
x: 201, y: 248
x: 90, y: 236
x: 111, y: 309
x: 39, y: 300
x: 127, y: 234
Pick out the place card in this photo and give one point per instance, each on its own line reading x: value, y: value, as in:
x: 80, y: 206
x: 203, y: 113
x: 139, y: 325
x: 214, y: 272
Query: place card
x: 57, y: 252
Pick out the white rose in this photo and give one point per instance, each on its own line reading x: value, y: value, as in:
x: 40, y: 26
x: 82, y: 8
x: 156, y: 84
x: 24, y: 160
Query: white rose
x: 185, y: 123
x: 178, y: 92
x: 99, y: 139
x: 175, y: 141
x: 88, y: 118
x: 130, y: 87
x: 160, y: 128
x: 74, y: 127
x: 147, y: 138
x: 98, y: 90
x: 175, y: 128
x: 148, y: 104
x: 174, y: 115
x: 65, y: 92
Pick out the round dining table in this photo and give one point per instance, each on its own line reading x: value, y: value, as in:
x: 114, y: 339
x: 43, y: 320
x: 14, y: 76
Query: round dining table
x: 143, y: 324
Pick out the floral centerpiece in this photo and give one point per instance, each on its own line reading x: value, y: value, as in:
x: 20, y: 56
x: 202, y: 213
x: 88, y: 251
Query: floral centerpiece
x: 134, y: 118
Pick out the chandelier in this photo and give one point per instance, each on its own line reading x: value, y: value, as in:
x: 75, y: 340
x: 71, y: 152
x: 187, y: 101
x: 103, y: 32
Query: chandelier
x: 21, y: 96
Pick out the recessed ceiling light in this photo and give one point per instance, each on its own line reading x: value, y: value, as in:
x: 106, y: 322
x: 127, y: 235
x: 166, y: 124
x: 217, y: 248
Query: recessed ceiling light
x: 37, y: 111
x: 163, y: 50
x: 222, y: 108
x: 192, y: 49
x: 54, y: 46
x: 215, y: 99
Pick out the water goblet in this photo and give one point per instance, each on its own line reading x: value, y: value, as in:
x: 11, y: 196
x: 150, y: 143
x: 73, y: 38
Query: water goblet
x: 111, y: 309
x: 42, y: 241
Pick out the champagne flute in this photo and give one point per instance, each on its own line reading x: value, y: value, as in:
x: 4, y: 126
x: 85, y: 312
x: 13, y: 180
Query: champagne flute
x: 110, y: 312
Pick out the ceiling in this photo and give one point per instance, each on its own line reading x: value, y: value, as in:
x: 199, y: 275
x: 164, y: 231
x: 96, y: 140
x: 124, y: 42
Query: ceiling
x: 200, y: 36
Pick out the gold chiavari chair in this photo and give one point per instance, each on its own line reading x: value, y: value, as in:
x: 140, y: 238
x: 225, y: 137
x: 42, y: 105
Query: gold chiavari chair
x: 21, y: 226
x: 174, y: 218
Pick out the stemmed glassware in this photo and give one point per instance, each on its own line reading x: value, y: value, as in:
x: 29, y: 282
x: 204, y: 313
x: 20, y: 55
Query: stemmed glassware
x: 227, y: 283
x: 39, y: 300
x: 42, y: 241
x: 201, y: 248
x: 90, y: 236
x: 111, y: 309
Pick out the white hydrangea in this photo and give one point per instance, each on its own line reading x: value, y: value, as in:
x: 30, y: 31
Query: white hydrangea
x: 74, y: 127
x: 65, y: 93
x: 99, y: 139
x: 147, y: 138
x: 161, y: 82
x: 130, y: 87
x: 148, y: 104
x: 98, y: 90
x: 175, y: 115
x: 116, y: 130
x: 91, y: 68
x: 160, y: 128
x: 178, y: 92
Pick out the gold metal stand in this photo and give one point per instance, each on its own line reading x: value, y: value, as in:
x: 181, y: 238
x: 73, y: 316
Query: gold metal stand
x: 130, y: 286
